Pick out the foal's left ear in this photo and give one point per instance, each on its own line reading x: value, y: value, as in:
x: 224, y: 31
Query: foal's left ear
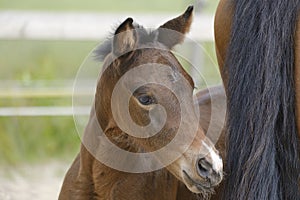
x: 124, y: 38
x: 179, y: 26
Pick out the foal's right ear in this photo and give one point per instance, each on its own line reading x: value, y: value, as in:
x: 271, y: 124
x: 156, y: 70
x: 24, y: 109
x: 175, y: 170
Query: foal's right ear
x: 179, y: 26
x: 125, y: 38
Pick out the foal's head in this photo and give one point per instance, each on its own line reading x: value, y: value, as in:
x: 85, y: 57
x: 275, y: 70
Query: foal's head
x: 144, y: 102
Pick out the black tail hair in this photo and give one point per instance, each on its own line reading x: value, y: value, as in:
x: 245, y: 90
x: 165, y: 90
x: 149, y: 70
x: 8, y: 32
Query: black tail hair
x: 263, y: 144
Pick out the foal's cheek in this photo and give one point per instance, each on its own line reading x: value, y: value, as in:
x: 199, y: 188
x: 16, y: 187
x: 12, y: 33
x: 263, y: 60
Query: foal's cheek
x: 158, y: 141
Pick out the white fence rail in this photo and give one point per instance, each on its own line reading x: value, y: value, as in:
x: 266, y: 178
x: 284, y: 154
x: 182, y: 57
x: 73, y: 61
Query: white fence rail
x: 85, y: 26
x: 42, y: 89
x: 44, y: 111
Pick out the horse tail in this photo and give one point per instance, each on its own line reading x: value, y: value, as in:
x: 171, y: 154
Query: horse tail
x: 263, y: 145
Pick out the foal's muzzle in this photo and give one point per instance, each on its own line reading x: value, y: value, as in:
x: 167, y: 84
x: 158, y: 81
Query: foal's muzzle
x: 206, y: 170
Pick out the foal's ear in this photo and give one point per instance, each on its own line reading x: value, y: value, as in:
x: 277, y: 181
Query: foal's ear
x: 124, y: 38
x: 180, y: 26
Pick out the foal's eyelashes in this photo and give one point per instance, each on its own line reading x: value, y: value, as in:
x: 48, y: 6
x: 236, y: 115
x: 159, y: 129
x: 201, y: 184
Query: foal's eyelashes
x: 144, y: 96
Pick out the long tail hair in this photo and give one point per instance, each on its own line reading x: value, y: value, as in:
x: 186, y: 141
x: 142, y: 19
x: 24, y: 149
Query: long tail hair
x: 263, y: 144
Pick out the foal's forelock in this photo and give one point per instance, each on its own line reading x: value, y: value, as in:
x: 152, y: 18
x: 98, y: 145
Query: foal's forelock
x: 146, y: 39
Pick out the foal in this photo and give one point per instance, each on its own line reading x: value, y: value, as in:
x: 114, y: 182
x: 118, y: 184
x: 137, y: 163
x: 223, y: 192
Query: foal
x: 125, y: 115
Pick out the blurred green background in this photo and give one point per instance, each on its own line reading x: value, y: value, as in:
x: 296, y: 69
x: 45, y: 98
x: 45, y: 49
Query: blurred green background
x: 35, y: 63
x: 106, y: 5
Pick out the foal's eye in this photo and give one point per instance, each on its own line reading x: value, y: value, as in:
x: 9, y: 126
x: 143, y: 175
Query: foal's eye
x: 146, y: 100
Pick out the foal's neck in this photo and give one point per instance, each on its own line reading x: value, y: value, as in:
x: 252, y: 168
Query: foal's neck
x: 113, y: 184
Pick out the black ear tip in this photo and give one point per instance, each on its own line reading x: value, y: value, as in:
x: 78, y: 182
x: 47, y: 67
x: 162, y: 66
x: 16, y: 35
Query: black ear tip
x: 125, y: 25
x: 188, y: 12
x: 189, y: 9
x: 129, y: 20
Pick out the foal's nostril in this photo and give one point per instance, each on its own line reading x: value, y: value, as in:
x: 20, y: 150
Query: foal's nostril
x: 204, y: 168
x: 208, y: 173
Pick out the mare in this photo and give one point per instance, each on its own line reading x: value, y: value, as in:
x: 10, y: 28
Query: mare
x: 197, y: 169
x: 258, y: 51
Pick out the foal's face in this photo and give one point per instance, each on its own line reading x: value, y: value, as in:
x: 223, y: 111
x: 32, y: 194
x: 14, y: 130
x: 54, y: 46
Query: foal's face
x: 199, y: 166
x: 161, y: 113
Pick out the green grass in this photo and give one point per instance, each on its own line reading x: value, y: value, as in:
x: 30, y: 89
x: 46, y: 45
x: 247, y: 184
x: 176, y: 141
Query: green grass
x: 44, y: 60
x: 104, y: 5
x: 95, y: 5
x: 32, y: 139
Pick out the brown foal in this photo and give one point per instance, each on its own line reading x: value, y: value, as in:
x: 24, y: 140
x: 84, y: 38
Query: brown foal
x: 197, y: 166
